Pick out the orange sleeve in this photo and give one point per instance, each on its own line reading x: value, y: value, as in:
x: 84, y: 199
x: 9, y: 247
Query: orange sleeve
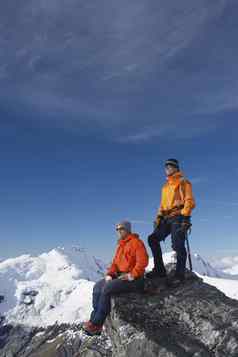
x: 142, y: 260
x: 189, y: 202
x: 112, y: 270
x: 161, y: 207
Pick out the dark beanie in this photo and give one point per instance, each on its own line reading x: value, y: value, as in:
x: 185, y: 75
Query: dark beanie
x: 172, y: 162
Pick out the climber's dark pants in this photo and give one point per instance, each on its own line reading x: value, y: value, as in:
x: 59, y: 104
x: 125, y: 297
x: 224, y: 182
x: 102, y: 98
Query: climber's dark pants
x: 102, y: 292
x: 168, y: 226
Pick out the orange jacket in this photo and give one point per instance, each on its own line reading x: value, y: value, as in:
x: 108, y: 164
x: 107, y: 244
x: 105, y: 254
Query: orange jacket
x: 177, y: 196
x: 131, y: 257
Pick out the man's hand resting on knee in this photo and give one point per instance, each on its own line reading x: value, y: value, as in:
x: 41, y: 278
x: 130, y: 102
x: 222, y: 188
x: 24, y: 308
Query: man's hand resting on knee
x: 126, y: 276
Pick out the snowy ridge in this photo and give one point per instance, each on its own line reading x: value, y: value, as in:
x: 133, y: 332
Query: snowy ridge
x: 204, y: 268
x: 227, y: 286
x: 55, y: 286
x: 200, y: 266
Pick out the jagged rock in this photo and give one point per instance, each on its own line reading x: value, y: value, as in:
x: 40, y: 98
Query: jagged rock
x: 32, y: 293
x: 55, y: 341
x: 28, y: 300
x: 28, y: 297
x: 193, y: 319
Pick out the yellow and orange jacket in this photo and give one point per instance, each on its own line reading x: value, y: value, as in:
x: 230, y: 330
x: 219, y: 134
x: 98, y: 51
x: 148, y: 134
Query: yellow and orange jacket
x: 131, y: 257
x: 176, y: 197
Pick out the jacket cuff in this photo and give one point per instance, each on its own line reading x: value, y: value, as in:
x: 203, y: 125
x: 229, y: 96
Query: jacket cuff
x: 130, y: 277
x: 134, y: 274
x: 112, y: 274
x: 185, y: 213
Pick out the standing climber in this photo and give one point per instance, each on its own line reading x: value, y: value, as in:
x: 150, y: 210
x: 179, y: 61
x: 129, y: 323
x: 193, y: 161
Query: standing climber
x: 126, y: 274
x: 173, y: 217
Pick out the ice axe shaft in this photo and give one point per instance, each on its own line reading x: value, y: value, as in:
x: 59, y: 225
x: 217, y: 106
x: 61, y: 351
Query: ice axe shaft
x: 188, y: 249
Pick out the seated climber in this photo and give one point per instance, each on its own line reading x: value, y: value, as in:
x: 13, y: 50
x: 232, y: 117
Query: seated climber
x: 173, y: 218
x: 126, y: 274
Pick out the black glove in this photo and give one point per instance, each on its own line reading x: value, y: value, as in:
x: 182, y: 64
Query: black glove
x: 186, y: 219
x: 186, y: 222
x: 159, y: 218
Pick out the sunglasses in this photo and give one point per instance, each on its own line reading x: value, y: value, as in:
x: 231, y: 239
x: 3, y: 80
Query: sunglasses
x: 170, y: 166
x: 120, y: 229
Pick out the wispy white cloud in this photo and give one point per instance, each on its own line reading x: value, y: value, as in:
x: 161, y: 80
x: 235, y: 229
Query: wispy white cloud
x: 129, y: 67
x: 171, y: 129
x: 159, y: 130
x: 227, y: 260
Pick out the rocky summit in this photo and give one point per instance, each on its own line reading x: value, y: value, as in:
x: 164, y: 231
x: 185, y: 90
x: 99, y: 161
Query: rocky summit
x: 192, y: 319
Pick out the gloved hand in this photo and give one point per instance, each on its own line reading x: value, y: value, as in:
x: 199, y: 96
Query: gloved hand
x: 155, y: 225
x: 186, y: 222
x: 158, y: 220
x: 108, y: 278
x: 126, y: 276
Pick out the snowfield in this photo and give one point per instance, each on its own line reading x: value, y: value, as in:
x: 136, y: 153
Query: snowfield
x: 57, y: 286
x: 227, y: 286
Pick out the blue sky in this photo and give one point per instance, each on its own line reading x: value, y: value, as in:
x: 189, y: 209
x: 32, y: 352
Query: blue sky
x: 94, y: 98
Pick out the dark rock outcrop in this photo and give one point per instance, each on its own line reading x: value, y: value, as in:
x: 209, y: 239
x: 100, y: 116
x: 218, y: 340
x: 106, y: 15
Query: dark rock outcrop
x: 193, y: 319
x: 55, y: 341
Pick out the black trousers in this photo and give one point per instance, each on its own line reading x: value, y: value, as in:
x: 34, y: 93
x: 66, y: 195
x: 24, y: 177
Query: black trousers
x: 166, y: 227
x: 102, y: 292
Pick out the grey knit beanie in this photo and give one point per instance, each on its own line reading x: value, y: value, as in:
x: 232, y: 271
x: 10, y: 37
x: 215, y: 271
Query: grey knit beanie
x: 124, y: 224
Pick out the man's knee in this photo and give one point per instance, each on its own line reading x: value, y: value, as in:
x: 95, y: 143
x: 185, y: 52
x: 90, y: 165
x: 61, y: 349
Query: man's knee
x: 108, y: 287
x: 99, y: 286
x: 152, y: 239
x: 155, y: 239
x: 113, y: 286
x: 179, y: 245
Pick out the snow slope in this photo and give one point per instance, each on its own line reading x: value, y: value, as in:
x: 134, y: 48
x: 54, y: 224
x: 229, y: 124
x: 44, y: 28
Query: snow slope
x: 227, y: 286
x: 55, y: 286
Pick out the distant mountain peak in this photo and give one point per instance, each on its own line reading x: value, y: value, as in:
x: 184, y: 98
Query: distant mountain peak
x: 53, y: 286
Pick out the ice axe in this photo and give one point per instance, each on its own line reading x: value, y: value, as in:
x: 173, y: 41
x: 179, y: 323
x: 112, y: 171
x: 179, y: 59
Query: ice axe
x: 187, y: 232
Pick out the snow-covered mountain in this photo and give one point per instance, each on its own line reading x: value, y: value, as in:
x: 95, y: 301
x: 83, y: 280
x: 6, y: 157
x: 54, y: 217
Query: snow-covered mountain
x: 57, y: 286
x: 54, y: 286
x: 200, y: 265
